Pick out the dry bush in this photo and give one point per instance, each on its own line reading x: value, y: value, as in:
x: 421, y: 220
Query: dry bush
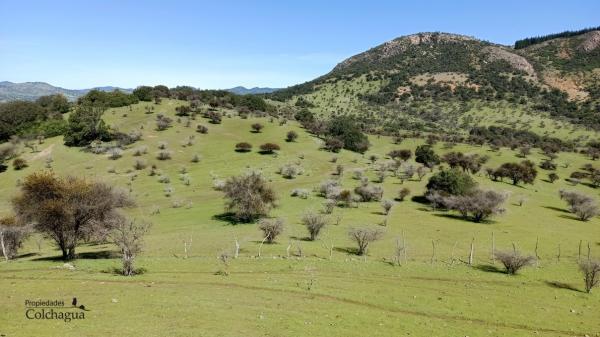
x: 403, y: 193
x: 479, y: 205
x: 364, y: 237
x: 328, y: 206
x: 584, y: 206
x: 115, y: 153
x: 141, y: 150
x: 313, y: 222
x: 369, y: 192
x: 290, y: 171
x: 387, y: 206
x: 271, y: 228
x: 513, y: 261
x: 128, y: 236
x: 140, y: 164
x: 300, y: 193
x: 249, y: 196
x: 163, y: 155
x: 19, y: 164
x: 591, y: 274
x: 12, y: 235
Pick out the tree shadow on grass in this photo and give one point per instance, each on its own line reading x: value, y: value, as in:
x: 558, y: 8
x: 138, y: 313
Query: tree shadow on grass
x: 490, y: 268
x: 26, y: 255
x: 461, y: 218
x: 562, y: 210
x: 102, y: 254
x: 304, y: 238
x: 561, y: 285
x: 420, y: 199
x: 228, y: 217
x: 347, y: 250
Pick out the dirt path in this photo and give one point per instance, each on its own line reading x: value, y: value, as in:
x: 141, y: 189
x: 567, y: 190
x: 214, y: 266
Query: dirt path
x: 44, y: 153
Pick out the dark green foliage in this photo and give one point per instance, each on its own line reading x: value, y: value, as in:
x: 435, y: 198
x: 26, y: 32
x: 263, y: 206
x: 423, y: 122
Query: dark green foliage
x: 85, y: 125
x: 539, y: 39
x: 451, y: 182
x: 304, y: 116
x: 113, y: 99
x: 517, y: 172
x: 504, y: 136
x: 349, y: 132
x: 143, y: 93
x: 54, y: 103
x: 18, y: 116
x: 425, y: 155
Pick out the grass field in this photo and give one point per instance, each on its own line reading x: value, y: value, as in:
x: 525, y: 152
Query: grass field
x: 308, y: 295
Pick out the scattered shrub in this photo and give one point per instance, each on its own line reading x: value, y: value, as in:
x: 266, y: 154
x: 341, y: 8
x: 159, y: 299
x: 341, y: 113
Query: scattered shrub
x: 313, y: 222
x: 513, y: 261
x: 403, y: 193
x: 387, y: 206
x: 271, y: 228
x: 269, y: 148
x: 163, y: 155
x: 364, y: 237
x: 591, y: 274
x: 243, y: 147
x: 291, y: 136
x: 201, y: 129
x: 140, y: 164
x: 19, y: 163
x: 584, y: 206
x: 300, y: 192
x: 369, y: 192
x: 249, y: 196
x: 257, y: 127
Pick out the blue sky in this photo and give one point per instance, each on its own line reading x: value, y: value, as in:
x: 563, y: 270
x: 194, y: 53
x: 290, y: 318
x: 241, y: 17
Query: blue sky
x: 220, y: 44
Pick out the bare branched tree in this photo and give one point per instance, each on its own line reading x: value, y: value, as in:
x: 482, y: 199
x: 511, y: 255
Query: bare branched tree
x: 363, y: 237
x: 513, y: 261
x: 591, y: 274
x: 128, y: 235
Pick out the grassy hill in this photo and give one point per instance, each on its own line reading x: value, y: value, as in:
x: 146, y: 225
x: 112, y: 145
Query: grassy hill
x: 403, y: 82
x: 296, y: 288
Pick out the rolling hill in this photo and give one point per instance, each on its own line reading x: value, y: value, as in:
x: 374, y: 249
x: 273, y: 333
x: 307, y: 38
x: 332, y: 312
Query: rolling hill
x: 433, y: 81
x: 30, y: 91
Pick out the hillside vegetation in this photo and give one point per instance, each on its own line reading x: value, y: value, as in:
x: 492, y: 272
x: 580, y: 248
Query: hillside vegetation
x: 407, y: 79
x: 420, y: 275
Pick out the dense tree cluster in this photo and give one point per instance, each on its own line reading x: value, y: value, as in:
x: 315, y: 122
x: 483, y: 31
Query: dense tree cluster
x: 523, y: 172
x: 42, y: 117
x: 107, y: 99
x: 526, y: 42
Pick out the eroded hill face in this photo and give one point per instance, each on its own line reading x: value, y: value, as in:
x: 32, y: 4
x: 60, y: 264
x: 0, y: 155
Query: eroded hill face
x: 412, y: 75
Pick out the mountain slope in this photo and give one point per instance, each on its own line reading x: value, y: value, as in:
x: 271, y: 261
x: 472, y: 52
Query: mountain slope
x: 240, y: 90
x: 433, y: 81
x: 30, y: 91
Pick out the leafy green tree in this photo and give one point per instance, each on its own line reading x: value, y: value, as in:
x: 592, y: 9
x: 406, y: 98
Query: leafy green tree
x: 348, y: 131
x: 86, y: 125
x: 143, y: 93
x: 451, y: 182
x: 425, y: 155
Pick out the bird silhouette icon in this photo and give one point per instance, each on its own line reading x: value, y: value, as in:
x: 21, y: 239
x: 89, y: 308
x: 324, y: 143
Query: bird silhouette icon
x: 74, y: 303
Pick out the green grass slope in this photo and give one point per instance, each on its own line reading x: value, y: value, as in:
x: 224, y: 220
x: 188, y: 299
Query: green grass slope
x: 309, y: 293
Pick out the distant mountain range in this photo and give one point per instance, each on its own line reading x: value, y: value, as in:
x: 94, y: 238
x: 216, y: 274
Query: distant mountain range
x: 256, y: 90
x: 29, y: 91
